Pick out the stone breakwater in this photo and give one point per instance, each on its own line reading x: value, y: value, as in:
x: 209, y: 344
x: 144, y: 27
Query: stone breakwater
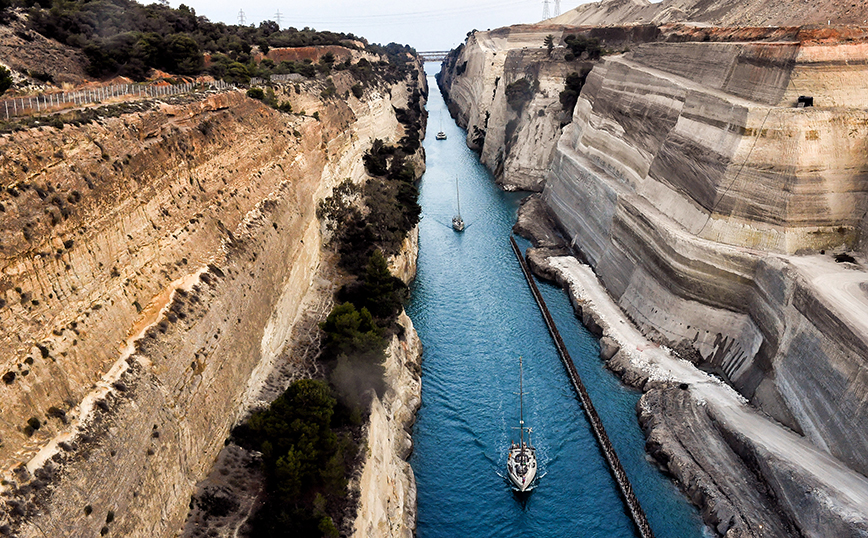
x: 750, y: 476
x: 727, y: 224
x: 153, y: 267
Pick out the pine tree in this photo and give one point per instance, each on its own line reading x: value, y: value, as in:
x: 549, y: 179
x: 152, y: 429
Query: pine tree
x: 549, y: 43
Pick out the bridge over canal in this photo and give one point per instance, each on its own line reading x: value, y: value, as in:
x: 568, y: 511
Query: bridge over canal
x: 433, y: 55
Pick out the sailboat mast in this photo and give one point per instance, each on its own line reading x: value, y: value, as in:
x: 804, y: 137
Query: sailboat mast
x: 457, y: 197
x: 520, y: 405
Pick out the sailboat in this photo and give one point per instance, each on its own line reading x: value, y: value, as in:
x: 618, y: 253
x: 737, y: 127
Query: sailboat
x: 441, y: 135
x: 521, y: 461
x: 457, y: 221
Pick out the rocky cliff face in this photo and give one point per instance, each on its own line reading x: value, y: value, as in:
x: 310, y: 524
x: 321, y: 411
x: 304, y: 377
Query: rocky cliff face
x: 153, y: 267
x: 692, y: 196
x: 516, y: 145
x: 725, y: 220
x: 516, y: 142
x: 717, y: 12
x: 387, y: 486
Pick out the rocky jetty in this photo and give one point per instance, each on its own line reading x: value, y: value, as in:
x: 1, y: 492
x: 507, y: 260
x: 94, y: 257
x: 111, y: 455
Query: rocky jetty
x: 154, y: 267
x: 724, y: 214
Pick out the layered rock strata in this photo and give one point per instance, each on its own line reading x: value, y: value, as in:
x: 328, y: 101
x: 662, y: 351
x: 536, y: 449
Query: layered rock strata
x: 750, y: 476
x: 517, y: 145
x: 692, y: 198
x: 716, y: 12
x: 726, y: 221
x: 154, y: 266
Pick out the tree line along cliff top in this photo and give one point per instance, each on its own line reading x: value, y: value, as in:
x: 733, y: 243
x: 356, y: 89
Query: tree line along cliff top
x: 123, y: 38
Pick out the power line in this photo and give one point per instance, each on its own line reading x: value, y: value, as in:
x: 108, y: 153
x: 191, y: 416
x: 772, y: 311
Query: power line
x: 557, y: 8
x: 242, y: 20
x: 546, y: 14
x: 278, y: 17
x: 407, y: 16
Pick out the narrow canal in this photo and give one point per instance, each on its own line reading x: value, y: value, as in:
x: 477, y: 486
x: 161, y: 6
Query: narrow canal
x: 475, y: 316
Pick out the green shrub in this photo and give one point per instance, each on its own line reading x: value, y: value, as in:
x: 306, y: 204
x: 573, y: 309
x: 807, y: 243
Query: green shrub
x: 5, y: 79
x: 377, y: 291
x: 256, y: 93
x: 304, y: 460
x: 520, y: 92
x: 354, y: 333
x: 579, y: 44
x: 236, y: 73
x: 270, y: 98
x: 330, y: 90
x: 572, y: 87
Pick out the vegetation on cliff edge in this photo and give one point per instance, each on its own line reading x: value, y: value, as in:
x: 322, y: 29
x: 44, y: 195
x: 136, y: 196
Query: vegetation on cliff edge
x: 572, y: 88
x: 309, y: 436
x: 307, y: 447
x: 123, y: 37
x: 579, y: 45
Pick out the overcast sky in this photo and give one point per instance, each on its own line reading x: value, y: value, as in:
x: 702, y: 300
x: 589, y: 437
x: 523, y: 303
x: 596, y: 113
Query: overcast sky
x: 423, y: 24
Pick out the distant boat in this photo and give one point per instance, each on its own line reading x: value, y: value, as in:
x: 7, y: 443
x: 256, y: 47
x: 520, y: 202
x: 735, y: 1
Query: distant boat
x: 457, y: 221
x: 521, y: 461
x: 441, y: 135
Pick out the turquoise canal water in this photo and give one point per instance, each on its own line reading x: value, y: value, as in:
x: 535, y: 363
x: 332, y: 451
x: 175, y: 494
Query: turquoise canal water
x: 475, y: 316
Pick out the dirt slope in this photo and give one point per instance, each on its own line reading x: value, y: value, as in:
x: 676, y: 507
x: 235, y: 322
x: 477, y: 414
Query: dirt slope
x: 719, y: 12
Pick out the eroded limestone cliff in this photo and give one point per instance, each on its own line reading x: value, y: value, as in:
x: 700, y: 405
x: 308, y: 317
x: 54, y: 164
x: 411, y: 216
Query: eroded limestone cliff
x: 153, y: 268
x: 727, y: 223
x: 476, y: 79
x: 716, y: 12
x: 387, y: 487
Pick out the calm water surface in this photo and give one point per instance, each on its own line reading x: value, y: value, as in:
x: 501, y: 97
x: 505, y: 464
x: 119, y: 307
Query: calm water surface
x: 475, y: 316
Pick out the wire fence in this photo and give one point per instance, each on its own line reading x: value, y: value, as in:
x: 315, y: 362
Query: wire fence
x: 51, y: 102
x: 291, y: 77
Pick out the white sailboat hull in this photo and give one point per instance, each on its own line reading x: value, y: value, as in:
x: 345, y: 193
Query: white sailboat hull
x: 521, y: 466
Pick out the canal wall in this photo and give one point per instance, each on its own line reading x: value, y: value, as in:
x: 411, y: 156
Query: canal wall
x: 750, y: 476
x: 725, y: 221
x: 386, y: 484
x: 515, y: 142
x: 155, y: 265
